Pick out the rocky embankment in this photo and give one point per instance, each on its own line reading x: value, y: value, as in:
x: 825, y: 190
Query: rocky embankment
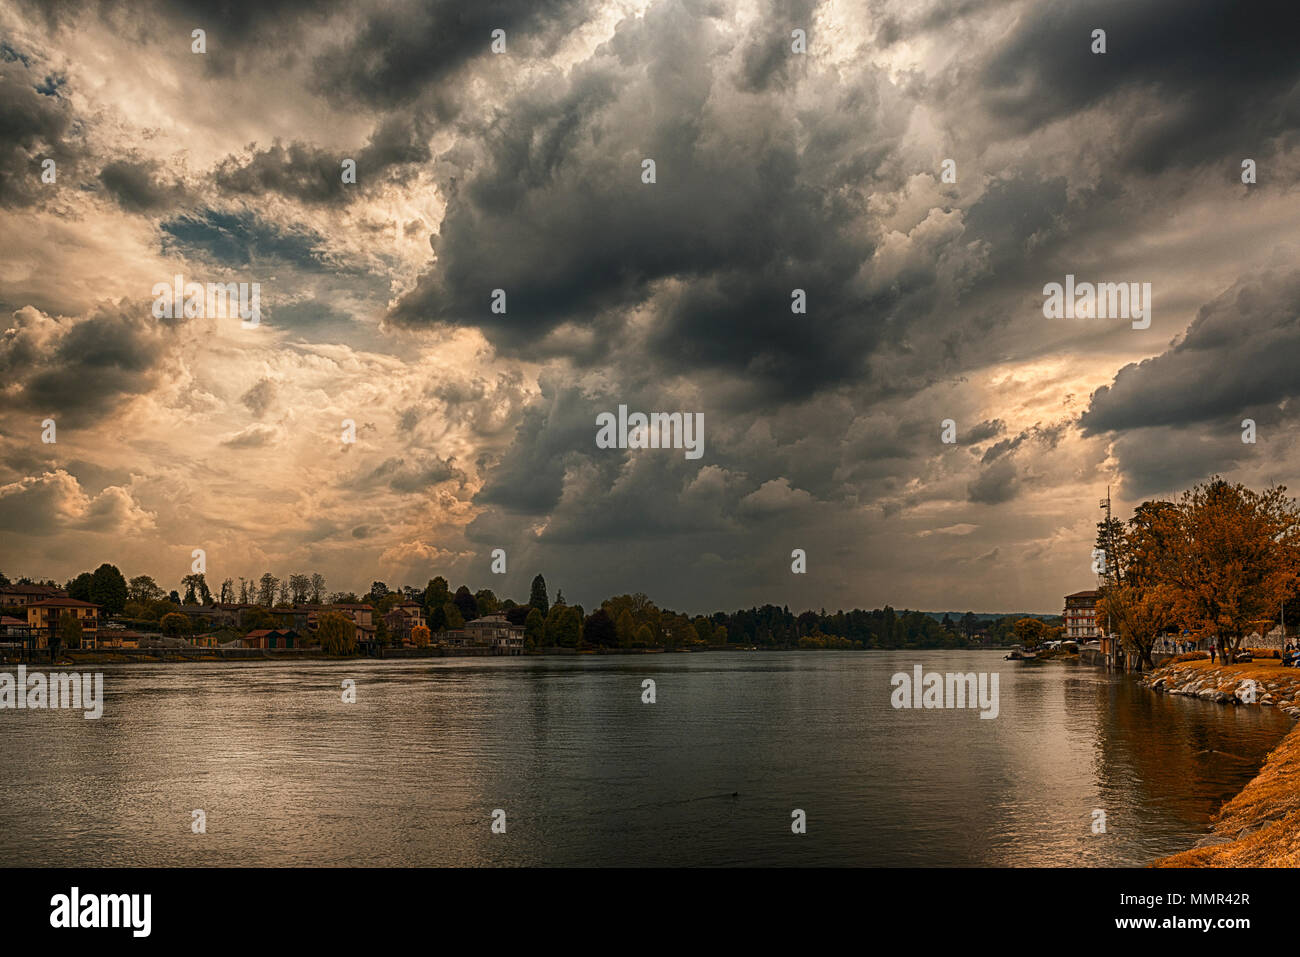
x: 1264, y: 682
x: 1260, y: 827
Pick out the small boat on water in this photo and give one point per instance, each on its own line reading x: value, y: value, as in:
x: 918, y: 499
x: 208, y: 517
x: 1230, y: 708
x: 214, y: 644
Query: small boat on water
x: 1020, y: 654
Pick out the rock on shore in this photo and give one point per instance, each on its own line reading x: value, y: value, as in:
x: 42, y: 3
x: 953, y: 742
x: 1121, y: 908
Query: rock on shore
x: 1263, y: 683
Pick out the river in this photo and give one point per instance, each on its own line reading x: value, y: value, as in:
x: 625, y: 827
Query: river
x: 287, y: 773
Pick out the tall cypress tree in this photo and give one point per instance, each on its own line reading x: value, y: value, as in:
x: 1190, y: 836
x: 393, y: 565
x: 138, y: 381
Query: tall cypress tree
x: 538, y: 597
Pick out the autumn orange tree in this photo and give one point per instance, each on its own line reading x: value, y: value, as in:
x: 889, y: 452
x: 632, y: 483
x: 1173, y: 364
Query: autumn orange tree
x: 1030, y: 632
x: 1217, y: 562
x: 1137, y: 598
x: 1235, y: 557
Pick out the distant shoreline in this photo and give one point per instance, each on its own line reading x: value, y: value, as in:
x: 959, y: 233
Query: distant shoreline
x: 153, y: 656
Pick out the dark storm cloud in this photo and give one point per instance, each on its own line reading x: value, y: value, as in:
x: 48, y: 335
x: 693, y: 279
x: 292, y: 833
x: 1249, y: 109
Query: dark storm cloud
x: 1176, y: 418
x: 401, y: 49
x: 312, y: 319
x: 998, y: 483
x: 1241, y: 351
x: 775, y: 172
x: 246, y: 20
x: 259, y: 398
x: 1048, y: 438
x: 33, y: 127
x: 1216, y: 79
x: 304, y: 172
x: 530, y: 476
x: 299, y: 171
x: 78, y: 371
x: 554, y: 469
x: 999, y: 449
x: 1161, y: 461
x: 414, y: 474
x: 488, y: 407
x: 917, y: 19
x: 984, y: 431
x: 767, y: 51
x: 555, y: 213
x: 138, y: 185
x: 742, y: 322
x: 1015, y: 211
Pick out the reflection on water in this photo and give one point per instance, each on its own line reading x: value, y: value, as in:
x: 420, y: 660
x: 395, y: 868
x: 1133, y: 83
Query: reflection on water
x: 588, y: 775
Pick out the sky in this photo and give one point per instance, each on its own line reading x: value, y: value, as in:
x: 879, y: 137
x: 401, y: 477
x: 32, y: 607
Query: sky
x: 522, y: 170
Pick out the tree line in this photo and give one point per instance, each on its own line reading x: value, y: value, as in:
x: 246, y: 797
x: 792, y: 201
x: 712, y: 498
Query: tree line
x: 622, y: 621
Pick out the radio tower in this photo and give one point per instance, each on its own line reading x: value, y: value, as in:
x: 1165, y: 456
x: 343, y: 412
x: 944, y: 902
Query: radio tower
x: 1107, y: 574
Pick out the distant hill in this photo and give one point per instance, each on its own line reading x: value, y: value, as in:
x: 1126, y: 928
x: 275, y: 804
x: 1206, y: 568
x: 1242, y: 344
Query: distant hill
x: 988, y: 616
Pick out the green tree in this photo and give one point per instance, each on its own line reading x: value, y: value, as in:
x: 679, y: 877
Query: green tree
x: 337, y: 634
x: 568, y: 630
x: 465, y: 603
x: 599, y: 630
x: 437, y: 593
x: 252, y: 619
x: 144, y: 589
x: 537, y: 597
x: 108, y: 588
x: 79, y: 587
x: 487, y: 602
x: 69, y: 630
x: 160, y: 607
x: 196, y: 589
x: 704, y: 629
x: 554, y: 619
x: 643, y: 637
x: 452, y: 616
x: 626, y: 629
x: 535, y: 628
x: 299, y: 588
x: 174, y: 625
x: 720, y: 635
x: 266, y: 589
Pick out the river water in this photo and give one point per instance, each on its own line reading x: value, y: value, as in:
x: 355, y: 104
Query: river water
x: 287, y: 773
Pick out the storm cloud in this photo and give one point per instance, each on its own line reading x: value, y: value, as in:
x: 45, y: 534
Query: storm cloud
x: 838, y: 264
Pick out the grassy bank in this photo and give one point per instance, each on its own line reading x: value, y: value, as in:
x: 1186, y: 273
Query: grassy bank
x: 1260, y: 827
